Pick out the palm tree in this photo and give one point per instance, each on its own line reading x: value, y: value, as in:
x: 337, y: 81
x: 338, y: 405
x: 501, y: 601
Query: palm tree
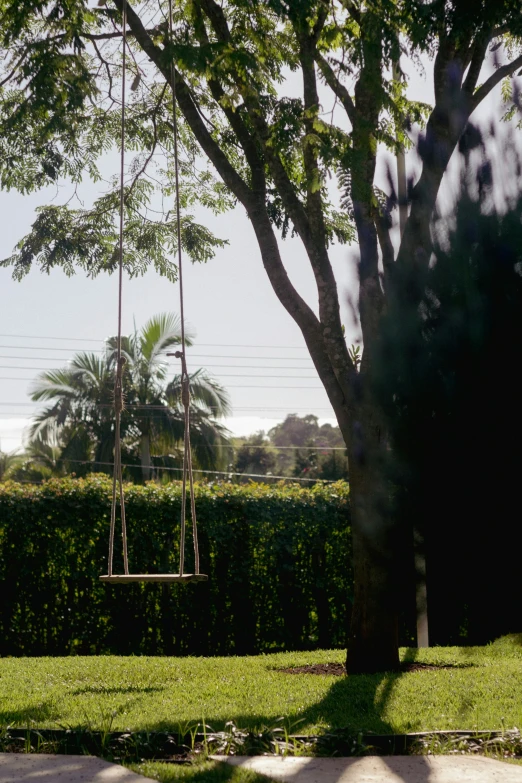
x: 82, y: 397
x: 80, y: 416
x: 153, y: 411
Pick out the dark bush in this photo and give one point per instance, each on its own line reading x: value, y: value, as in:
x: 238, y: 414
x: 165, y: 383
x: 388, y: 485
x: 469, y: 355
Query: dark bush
x: 278, y: 560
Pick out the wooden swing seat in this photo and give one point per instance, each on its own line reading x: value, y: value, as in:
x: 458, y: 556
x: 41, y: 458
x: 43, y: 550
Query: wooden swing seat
x: 125, y: 578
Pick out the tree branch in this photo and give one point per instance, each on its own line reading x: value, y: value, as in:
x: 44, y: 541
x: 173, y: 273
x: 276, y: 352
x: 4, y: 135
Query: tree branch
x: 149, y: 157
x: 477, y: 60
x: 385, y: 243
x: 352, y: 9
x: 234, y: 118
x: 494, y: 79
x: 255, y: 206
x: 14, y: 70
x: 189, y: 108
x: 309, y: 226
x: 283, y: 183
x: 319, y: 259
x: 321, y: 20
x: 335, y: 85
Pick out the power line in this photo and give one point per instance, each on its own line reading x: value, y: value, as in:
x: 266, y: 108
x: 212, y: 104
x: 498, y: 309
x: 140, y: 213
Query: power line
x: 260, y: 358
x: 161, y: 407
x: 99, y: 340
x: 46, y: 348
x: 229, y: 366
x: 229, y: 386
x: 43, y: 337
x: 268, y: 445
x: 162, y: 353
x: 220, y: 375
x: 206, y: 472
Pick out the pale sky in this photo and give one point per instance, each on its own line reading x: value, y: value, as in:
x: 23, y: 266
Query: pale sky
x: 243, y: 335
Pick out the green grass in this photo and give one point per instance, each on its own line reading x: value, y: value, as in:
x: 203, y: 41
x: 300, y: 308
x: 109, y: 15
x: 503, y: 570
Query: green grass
x: 176, y: 693
x: 206, y: 772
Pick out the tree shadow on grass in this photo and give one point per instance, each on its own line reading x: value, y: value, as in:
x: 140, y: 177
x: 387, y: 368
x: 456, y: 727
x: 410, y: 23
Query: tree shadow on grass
x: 29, y: 716
x: 356, y: 703
x: 107, y: 691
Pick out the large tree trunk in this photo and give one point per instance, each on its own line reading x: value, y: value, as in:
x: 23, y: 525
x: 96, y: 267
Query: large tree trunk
x: 373, y: 635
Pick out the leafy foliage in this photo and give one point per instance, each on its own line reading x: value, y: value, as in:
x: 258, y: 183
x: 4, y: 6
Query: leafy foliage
x: 80, y: 418
x: 320, y: 449
x: 276, y: 558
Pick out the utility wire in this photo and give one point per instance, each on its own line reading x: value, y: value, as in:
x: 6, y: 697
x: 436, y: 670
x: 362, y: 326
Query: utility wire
x: 229, y: 386
x: 162, y: 354
x: 229, y: 366
x: 99, y: 340
x: 206, y: 472
x: 163, y: 407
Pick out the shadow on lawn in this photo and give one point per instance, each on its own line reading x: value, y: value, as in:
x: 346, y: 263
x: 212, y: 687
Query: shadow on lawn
x: 363, y: 697
x: 356, y: 703
x: 105, y: 691
x: 27, y: 716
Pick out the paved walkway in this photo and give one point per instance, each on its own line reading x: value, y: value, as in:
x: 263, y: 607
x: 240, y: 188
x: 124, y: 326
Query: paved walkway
x: 41, y: 768
x: 383, y: 769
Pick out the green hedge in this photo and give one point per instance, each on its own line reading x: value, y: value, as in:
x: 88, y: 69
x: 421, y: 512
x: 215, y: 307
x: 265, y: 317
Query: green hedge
x: 278, y: 560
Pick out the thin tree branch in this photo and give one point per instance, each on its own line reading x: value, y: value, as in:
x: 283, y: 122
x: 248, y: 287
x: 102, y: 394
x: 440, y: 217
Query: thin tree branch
x: 335, y: 85
x: 317, y: 252
x: 283, y: 183
x: 233, y: 116
x: 143, y: 168
x: 320, y: 23
x: 352, y: 9
x: 17, y: 64
x: 189, y: 108
x: 494, y: 79
x: 477, y: 60
x: 107, y: 68
x: 385, y: 243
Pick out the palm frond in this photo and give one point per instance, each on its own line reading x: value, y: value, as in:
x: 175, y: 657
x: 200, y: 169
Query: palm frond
x: 206, y: 393
x: 54, y: 383
x: 159, y: 333
x: 90, y: 365
x: 129, y: 349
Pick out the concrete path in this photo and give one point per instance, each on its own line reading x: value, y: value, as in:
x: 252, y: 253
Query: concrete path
x: 382, y: 769
x: 43, y: 768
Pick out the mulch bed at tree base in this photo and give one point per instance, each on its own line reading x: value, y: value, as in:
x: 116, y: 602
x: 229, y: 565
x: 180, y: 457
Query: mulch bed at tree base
x: 339, y: 670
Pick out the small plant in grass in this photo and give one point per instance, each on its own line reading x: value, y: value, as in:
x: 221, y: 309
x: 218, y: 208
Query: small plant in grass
x: 31, y: 741
x: 234, y: 741
x: 263, y: 740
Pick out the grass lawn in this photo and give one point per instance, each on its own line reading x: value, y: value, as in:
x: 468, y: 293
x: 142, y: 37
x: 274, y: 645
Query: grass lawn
x: 207, y: 772
x: 177, y: 693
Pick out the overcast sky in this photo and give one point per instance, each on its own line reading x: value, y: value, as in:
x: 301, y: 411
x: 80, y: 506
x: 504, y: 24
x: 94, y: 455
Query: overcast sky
x: 243, y: 334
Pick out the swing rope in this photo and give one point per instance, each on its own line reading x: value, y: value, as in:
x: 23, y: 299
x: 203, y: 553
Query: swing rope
x: 117, y: 478
x: 117, y: 482
x: 185, y: 378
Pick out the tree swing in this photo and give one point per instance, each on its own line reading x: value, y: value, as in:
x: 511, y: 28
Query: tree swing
x: 117, y: 480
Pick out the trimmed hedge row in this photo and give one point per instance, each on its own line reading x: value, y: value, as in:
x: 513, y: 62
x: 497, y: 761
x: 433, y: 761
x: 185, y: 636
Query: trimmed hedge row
x: 278, y: 560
